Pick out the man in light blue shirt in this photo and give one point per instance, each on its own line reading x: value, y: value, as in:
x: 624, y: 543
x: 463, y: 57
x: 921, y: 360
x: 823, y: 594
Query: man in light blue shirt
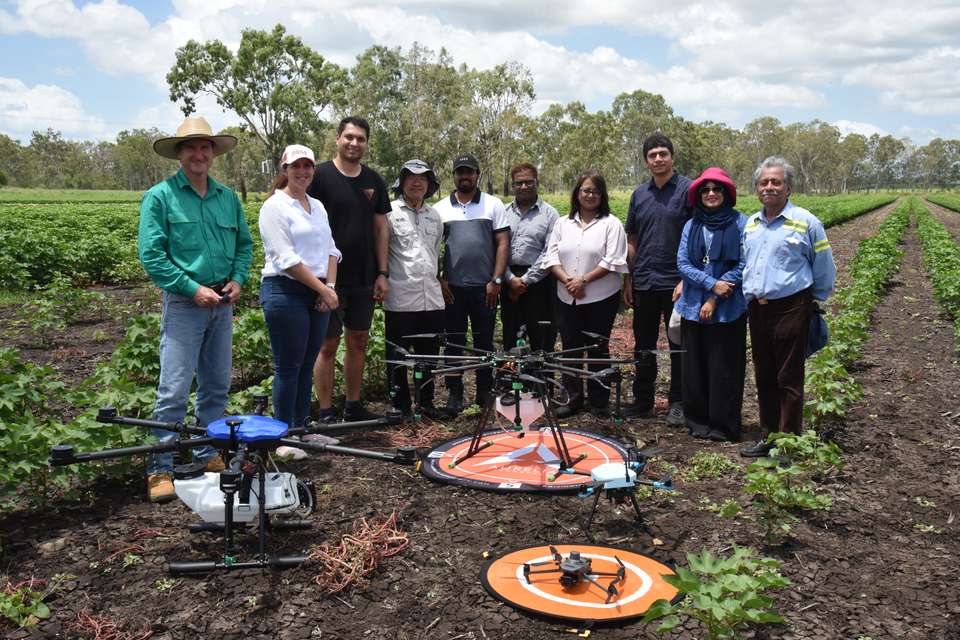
x: 789, y: 264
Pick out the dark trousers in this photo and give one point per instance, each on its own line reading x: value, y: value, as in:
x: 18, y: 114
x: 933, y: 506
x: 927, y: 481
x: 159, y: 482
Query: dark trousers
x: 649, y: 309
x: 714, y: 365
x: 297, y: 331
x: 778, y: 336
x: 398, y: 325
x: 574, y: 319
x: 469, y: 305
x: 535, y: 306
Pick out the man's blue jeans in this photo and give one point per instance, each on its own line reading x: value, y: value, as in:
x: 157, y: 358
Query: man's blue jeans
x: 297, y: 331
x: 194, y: 341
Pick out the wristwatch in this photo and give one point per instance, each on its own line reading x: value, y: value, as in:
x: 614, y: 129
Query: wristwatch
x: 385, y: 274
x: 497, y: 281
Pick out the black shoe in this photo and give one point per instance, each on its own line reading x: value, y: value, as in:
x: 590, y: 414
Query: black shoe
x: 436, y: 413
x: 359, y: 413
x: 675, y: 416
x: 637, y: 411
x: 700, y: 434
x: 759, y: 449
x: 718, y: 436
x: 482, y: 397
x: 568, y: 410
x: 600, y: 411
x: 455, y: 401
x: 327, y: 416
x: 507, y: 400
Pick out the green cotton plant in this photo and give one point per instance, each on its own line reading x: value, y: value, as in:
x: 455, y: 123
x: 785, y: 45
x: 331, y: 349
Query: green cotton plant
x: 252, y: 357
x: 941, y: 258
x: 724, y: 594
x: 21, y: 604
x: 783, y: 484
x: 829, y: 387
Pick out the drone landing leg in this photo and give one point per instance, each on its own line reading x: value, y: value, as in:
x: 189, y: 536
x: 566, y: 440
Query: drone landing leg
x: 593, y: 512
x: 636, y: 509
x: 476, y: 443
x: 566, y: 461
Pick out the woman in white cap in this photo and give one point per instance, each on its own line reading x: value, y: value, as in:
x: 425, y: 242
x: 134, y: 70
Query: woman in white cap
x: 297, y: 292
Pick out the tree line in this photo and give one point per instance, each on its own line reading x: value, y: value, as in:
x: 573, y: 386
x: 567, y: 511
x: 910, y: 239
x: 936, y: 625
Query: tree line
x: 420, y: 104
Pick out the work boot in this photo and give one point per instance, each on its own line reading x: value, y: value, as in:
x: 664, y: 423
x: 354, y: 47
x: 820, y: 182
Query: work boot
x: 455, y: 401
x: 215, y: 464
x: 356, y: 412
x: 160, y: 487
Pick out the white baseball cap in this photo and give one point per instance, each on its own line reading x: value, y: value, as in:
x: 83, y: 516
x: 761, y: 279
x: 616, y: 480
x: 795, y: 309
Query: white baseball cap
x: 294, y: 152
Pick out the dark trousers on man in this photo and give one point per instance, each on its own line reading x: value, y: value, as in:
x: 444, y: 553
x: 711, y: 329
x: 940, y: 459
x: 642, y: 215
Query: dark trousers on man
x: 778, y: 338
x: 469, y: 305
x: 400, y: 324
x: 595, y: 317
x: 535, y: 309
x: 650, y: 308
x: 714, y: 365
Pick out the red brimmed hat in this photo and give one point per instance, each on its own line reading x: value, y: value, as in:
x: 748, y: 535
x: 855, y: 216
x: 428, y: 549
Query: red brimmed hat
x: 712, y: 174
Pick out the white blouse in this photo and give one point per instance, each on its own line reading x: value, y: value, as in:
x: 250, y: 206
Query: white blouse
x: 291, y: 235
x: 579, y: 251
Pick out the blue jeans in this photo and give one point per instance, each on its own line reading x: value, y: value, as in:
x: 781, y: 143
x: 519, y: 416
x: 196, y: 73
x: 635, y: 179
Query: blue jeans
x: 297, y: 331
x: 194, y: 341
x: 470, y: 304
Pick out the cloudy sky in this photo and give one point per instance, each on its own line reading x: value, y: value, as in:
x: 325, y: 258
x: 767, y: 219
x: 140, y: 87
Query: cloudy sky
x: 91, y: 69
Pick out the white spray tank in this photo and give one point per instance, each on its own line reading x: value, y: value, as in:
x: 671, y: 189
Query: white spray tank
x: 202, y: 494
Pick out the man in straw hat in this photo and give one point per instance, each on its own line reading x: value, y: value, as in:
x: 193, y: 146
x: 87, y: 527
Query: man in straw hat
x: 195, y: 245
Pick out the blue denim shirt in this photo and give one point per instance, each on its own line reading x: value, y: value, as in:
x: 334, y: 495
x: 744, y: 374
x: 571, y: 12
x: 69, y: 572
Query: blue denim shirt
x: 787, y: 255
x: 697, y: 284
x: 656, y: 217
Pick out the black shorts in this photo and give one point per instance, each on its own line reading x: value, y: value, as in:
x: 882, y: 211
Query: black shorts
x: 355, y: 311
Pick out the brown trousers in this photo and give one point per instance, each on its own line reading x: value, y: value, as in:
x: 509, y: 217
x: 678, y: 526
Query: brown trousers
x: 778, y: 336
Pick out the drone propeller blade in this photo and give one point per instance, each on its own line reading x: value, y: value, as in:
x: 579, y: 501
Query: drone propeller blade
x: 402, y: 351
x: 596, y: 336
x: 400, y: 363
x: 556, y: 554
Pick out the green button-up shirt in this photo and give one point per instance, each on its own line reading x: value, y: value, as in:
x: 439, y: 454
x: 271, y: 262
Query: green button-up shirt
x: 186, y: 241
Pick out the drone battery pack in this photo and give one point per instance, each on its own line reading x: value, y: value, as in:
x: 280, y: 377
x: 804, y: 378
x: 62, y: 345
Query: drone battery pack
x: 204, y: 497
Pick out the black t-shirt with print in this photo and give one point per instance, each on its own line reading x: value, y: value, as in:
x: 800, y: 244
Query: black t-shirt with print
x: 351, y: 204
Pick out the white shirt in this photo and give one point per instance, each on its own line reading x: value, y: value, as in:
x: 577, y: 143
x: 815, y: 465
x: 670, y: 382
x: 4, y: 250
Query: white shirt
x: 579, y: 251
x: 291, y: 235
x: 412, y: 258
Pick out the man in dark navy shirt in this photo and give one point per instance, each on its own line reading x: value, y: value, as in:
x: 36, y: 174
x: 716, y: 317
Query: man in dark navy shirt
x: 655, y: 220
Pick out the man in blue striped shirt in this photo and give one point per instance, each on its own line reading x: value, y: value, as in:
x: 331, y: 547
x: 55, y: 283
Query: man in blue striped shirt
x: 789, y: 264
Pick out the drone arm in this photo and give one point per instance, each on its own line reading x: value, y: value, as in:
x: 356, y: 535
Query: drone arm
x: 460, y: 369
x: 403, y: 455
x: 63, y: 454
x: 108, y: 415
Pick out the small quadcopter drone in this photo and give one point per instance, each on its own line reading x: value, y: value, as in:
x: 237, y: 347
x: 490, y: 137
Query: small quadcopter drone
x: 251, y: 489
x: 619, y: 482
x: 576, y: 569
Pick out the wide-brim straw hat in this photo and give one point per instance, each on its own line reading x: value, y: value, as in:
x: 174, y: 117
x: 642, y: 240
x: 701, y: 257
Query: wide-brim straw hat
x: 194, y: 127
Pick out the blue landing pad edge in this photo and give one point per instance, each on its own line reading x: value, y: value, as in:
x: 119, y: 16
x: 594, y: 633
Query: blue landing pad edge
x: 251, y: 429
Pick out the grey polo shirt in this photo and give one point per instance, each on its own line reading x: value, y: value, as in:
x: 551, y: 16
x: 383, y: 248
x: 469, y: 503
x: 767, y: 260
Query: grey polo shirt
x: 468, y: 231
x: 529, y: 233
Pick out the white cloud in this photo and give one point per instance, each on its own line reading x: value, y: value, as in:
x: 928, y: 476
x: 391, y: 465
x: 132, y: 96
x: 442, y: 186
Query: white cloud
x: 925, y: 84
x: 24, y: 109
x: 847, y: 127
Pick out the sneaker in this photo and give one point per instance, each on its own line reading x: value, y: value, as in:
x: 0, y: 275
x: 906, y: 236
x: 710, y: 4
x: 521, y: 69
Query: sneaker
x: 215, y: 464
x: 719, y: 436
x: 160, y: 487
x: 701, y: 434
x: 675, y: 415
x: 455, y: 401
x: 759, y: 449
x: 327, y: 416
x: 637, y: 411
x: 359, y: 413
x: 507, y: 400
x: 436, y: 413
x: 290, y: 453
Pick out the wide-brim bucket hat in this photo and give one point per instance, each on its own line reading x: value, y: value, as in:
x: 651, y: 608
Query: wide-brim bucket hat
x: 194, y: 128
x: 712, y: 174
x: 416, y: 167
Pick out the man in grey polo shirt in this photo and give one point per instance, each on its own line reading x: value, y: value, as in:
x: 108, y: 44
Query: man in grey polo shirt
x: 477, y: 233
x: 529, y: 298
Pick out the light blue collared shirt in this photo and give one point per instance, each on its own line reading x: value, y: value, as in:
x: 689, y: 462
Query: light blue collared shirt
x: 787, y: 255
x: 697, y: 283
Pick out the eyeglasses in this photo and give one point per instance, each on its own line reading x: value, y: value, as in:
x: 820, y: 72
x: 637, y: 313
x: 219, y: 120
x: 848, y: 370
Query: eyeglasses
x: 711, y: 190
x: 589, y: 192
x: 519, y: 184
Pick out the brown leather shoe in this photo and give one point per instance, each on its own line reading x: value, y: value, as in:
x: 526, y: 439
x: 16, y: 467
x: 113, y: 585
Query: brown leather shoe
x: 215, y: 464
x: 160, y: 487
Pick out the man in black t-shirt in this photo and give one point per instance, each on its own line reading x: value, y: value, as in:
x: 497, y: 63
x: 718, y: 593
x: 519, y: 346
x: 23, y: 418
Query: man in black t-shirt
x: 357, y: 202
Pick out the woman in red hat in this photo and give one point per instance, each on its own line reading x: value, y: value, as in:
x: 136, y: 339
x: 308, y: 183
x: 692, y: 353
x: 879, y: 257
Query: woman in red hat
x: 713, y: 309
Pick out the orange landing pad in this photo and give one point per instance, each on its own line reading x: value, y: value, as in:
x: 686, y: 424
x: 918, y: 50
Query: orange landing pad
x: 641, y: 586
x: 513, y: 463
